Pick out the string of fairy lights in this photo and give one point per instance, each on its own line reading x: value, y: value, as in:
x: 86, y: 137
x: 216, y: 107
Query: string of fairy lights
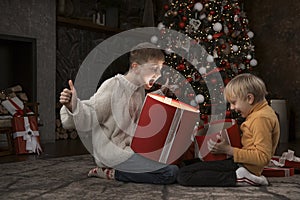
x: 221, y: 28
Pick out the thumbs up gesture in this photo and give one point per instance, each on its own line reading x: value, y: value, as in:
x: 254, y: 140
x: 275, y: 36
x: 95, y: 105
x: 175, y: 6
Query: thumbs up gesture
x: 68, y: 97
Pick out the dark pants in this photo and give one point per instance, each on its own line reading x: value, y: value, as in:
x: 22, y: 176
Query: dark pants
x: 214, y: 173
x: 165, y: 175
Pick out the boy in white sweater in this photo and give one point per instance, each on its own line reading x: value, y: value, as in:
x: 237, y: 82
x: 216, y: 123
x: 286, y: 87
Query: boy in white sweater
x: 110, y: 116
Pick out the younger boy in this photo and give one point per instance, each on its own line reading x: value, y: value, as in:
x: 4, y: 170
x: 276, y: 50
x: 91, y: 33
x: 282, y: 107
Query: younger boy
x: 260, y: 135
x: 111, y: 114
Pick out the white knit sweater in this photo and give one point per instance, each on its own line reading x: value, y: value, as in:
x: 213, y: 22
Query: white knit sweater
x: 106, y: 122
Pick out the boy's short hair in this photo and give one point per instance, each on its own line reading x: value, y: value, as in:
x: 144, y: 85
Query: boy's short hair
x: 243, y: 84
x: 144, y: 52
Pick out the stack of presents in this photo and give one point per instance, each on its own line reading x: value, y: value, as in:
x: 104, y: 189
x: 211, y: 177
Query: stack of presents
x: 21, y: 117
x: 174, y: 128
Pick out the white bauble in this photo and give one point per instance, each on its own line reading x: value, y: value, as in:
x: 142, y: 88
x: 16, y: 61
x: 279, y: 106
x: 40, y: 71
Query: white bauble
x: 250, y: 34
x: 248, y: 56
x: 203, y: 16
x: 253, y: 62
x: 199, y: 98
x: 198, y: 6
x: 202, y: 70
x: 160, y: 26
x: 210, y: 58
x: 154, y: 39
x: 217, y: 27
x: 235, y: 48
x: 209, y: 37
x: 242, y: 66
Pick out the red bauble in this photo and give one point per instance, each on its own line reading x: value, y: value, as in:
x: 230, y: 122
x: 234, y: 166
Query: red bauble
x: 212, y: 12
x: 189, y: 79
x: 181, y: 25
x: 184, y: 18
x: 223, y: 46
x: 226, y: 81
x: 166, y: 7
x: 228, y: 113
x: 180, y: 67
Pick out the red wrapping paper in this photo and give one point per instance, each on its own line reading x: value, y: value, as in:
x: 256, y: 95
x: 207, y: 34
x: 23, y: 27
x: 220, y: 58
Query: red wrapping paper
x: 228, y: 129
x: 165, y: 129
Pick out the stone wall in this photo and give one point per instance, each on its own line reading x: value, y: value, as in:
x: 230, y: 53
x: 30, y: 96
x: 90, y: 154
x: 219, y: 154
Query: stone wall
x: 36, y: 19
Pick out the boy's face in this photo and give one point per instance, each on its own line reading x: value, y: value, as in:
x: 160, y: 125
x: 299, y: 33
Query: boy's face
x: 241, y: 106
x: 149, y: 73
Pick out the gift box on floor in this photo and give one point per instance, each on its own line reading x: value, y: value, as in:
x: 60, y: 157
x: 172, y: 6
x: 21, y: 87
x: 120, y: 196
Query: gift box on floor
x: 278, y: 172
x: 26, y: 135
x: 288, y: 159
x: 165, y: 129
x: 227, y: 129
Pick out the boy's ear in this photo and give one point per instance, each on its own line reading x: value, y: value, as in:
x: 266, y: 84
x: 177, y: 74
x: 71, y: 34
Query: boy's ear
x: 250, y: 98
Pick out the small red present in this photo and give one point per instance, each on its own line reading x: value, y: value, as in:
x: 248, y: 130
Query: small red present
x: 278, y: 172
x: 26, y: 135
x: 227, y: 129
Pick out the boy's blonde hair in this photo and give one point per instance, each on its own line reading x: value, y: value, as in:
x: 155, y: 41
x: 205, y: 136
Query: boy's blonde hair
x: 145, y: 52
x: 243, y: 84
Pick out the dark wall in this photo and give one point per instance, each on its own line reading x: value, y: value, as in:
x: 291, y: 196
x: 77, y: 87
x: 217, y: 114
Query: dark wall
x: 36, y: 20
x: 277, y: 46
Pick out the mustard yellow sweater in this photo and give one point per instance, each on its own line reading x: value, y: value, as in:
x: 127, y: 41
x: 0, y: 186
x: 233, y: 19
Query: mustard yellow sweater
x: 260, y: 135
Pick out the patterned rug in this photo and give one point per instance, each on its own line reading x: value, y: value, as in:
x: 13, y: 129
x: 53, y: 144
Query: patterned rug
x: 66, y: 178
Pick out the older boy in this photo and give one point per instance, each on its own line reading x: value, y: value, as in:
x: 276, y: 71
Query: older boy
x: 260, y: 135
x: 111, y: 114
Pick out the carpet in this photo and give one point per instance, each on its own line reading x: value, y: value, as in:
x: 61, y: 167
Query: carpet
x: 66, y: 178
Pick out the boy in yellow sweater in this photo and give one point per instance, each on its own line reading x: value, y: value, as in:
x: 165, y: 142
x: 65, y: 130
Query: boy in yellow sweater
x: 260, y: 135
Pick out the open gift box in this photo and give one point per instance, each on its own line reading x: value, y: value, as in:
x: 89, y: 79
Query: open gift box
x: 165, y: 129
x: 227, y: 129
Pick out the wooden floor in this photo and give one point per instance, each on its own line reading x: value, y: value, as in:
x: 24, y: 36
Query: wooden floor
x: 75, y: 147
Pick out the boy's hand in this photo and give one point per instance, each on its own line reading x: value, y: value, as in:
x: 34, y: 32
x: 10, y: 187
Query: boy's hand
x: 220, y: 147
x: 68, y: 97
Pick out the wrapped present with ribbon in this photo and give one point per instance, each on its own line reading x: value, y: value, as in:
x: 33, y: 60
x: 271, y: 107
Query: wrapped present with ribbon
x: 15, y: 106
x: 26, y: 135
x: 287, y: 159
x: 209, y: 133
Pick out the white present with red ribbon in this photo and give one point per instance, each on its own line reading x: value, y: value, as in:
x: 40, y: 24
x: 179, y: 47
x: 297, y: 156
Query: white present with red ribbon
x: 227, y: 129
x: 15, y: 107
x: 26, y: 135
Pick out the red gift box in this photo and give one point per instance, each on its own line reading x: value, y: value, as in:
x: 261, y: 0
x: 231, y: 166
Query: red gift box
x: 278, y: 172
x: 165, y: 129
x: 26, y: 135
x: 227, y: 129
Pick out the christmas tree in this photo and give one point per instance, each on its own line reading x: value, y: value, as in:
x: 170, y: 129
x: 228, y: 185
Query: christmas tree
x: 221, y: 28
